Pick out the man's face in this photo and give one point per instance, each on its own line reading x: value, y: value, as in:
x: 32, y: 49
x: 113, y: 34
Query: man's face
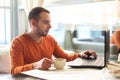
x: 43, y: 25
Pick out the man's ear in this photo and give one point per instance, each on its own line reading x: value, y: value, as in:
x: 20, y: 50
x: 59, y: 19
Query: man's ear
x: 33, y: 22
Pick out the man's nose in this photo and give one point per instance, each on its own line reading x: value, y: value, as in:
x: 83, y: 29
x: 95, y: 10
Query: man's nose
x: 50, y: 26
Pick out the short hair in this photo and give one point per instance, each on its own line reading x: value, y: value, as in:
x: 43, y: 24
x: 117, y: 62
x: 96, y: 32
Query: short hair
x: 34, y: 13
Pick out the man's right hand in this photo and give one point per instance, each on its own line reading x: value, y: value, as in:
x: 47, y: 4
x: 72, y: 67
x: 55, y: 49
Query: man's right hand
x: 43, y: 64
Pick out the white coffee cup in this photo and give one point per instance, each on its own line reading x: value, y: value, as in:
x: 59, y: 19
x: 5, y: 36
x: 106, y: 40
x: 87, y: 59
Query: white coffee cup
x: 119, y: 57
x: 59, y: 63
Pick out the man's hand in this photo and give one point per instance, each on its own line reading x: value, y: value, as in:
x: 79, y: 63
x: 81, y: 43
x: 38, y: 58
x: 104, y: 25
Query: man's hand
x: 43, y: 64
x: 87, y: 53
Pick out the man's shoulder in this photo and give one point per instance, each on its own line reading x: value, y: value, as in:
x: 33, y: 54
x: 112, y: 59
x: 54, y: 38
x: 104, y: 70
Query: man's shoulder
x: 19, y: 37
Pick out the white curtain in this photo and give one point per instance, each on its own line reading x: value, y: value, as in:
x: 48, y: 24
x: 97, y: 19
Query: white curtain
x: 29, y: 4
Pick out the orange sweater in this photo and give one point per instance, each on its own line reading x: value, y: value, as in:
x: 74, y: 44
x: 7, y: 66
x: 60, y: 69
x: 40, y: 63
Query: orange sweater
x: 116, y: 38
x: 25, y: 51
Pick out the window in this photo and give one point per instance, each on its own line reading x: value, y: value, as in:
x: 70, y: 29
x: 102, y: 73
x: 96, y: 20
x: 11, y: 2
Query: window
x: 9, y: 20
x: 88, y: 15
x: 5, y: 21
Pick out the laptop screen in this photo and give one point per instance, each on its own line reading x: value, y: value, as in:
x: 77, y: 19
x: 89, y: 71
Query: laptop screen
x: 96, y: 40
x: 91, y: 39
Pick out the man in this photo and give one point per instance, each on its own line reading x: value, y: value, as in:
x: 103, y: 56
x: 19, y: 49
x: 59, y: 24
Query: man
x: 34, y: 49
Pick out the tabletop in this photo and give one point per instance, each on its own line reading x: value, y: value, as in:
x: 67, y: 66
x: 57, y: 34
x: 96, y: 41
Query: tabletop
x: 73, y: 74
x: 110, y: 72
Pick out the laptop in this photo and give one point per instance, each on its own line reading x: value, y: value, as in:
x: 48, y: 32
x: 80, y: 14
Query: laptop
x: 100, y: 40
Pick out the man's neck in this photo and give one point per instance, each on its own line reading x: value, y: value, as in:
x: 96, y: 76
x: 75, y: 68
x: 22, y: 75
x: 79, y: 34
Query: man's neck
x: 34, y: 36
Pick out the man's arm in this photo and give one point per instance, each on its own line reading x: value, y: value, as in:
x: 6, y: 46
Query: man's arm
x: 17, y: 58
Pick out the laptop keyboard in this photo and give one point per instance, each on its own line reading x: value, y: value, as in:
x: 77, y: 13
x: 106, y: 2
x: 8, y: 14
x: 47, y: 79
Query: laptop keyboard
x: 99, y: 61
x: 87, y: 62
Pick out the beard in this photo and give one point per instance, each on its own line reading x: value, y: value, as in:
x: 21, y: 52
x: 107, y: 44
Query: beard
x: 42, y: 33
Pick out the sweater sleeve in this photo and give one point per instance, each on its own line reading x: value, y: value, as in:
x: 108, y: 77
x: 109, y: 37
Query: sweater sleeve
x: 60, y: 53
x: 17, y: 59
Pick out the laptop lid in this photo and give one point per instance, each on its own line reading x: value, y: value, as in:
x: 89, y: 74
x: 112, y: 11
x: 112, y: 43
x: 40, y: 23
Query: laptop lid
x: 97, y: 40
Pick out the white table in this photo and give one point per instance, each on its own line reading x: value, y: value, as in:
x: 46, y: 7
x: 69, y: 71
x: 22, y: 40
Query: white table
x: 72, y: 74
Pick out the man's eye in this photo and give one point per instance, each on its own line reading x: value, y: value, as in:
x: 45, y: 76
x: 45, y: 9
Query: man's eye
x: 45, y: 22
